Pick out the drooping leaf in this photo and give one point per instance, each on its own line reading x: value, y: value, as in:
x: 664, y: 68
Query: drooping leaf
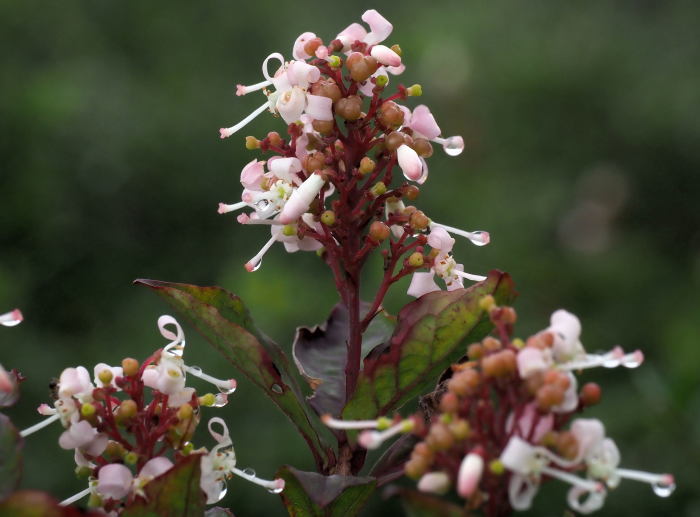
x: 430, y: 334
x: 11, y: 445
x: 308, y: 494
x: 225, y: 322
x: 174, y: 494
x: 419, y: 504
x: 320, y: 353
x: 33, y: 503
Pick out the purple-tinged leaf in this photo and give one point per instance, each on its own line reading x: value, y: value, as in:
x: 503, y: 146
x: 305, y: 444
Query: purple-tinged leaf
x: 33, y: 503
x: 320, y: 353
x: 174, y: 494
x: 223, y: 319
x: 308, y: 494
x: 11, y: 444
x: 431, y: 333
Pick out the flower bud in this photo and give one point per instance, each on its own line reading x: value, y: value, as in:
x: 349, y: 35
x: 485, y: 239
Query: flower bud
x: 549, y: 395
x: 423, y: 147
x: 328, y: 217
x: 414, y: 91
x: 567, y: 445
x: 411, y: 192
x: 470, y: 471
x: 325, y: 127
x: 475, y: 351
x: 434, y: 483
x: 394, y: 140
x: 274, y: 138
x: 590, y: 394
x: 416, y: 259
x: 185, y: 412
x: 335, y: 61
x: 390, y: 115
x: 418, y: 220
x: 87, y: 410
x: 378, y: 231
x: 496, y: 467
x: 416, y: 466
x: 491, y: 344
x: 312, y: 45
x: 487, y: 302
x: 350, y: 108
x: 131, y: 458
x: 460, y: 429
x: 126, y: 410
x: 326, y: 88
x: 130, y: 367
x: 367, y: 165
x: 105, y: 376
x: 464, y: 383
x: 252, y: 143
x: 410, y: 163
x: 449, y: 403
x: 207, y: 400
x: 439, y: 437
x: 378, y: 189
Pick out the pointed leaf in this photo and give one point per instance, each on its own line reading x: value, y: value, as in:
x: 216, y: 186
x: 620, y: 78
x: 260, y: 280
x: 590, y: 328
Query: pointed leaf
x: 308, y: 494
x: 174, y: 494
x: 33, y: 503
x: 11, y: 445
x: 429, y: 336
x: 225, y: 322
x: 320, y: 353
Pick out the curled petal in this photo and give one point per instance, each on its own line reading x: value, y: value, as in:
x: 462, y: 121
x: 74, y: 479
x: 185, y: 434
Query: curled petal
x: 352, y: 33
x: 252, y: 174
x: 440, y: 239
x: 285, y: 168
x: 302, y: 74
x: 385, y: 56
x: 521, y: 492
x: 290, y: 104
x: 410, y: 162
x: 298, y: 51
x: 301, y: 199
x: 380, y: 28
x: 319, y: 107
x: 593, y: 500
x: 423, y: 122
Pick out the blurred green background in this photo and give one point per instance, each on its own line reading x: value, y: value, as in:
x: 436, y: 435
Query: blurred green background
x: 581, y: 121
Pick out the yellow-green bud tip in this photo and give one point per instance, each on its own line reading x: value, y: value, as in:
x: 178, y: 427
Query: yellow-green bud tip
x: 289, y: 230
x: 334, y: 61
x: 131, y: 458
x: 381, y: 80
x: 383, y: 423
x: 496, y: 467
x: 87, y: 410
x: 105, y: 376
x: 207, y: 400
x: 252, y: 143
x: 414, y: 91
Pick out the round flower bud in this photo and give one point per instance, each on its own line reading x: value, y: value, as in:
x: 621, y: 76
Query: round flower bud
x: 185, y: 412
x: 491, y: 344
x: 394, y: 140
x: 475, y: 351
x: 328, y: 217
x: 390, y: 115
x: 416, y: 467
x: 418, y: 220
x: 465, y: 382
x: 105, y: 376
x: 440, y: 437
x: 350, y: 108
x: 487, y: 302
x: 313, y: 161
x: 415, y: 90
x: 312, y: 45
x: 130, y: 367
x: 416, y: 259
x: 496, y: 467
x: 590, y: 394
x: 567, y: 445
x: 423, y: 147
x: 378, y: 189
x: 326, y: 88
x: 549, y: 395
x: 460, y: 429
x: 87, y: 410
x: 411, y: 192
x: 367, y: 165
x: 449, y: 403
x: 325, y: 127
x: 378, y: 231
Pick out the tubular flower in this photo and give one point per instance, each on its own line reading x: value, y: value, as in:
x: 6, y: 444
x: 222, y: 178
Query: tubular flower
x: 423, y: 124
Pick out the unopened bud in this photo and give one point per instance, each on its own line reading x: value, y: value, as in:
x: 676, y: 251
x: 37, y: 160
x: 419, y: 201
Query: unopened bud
x: 491, y: 344
x: 395, y: 47
x: 187, y: 448
x: 83, y: 472
x: 549, y: 395
x: 326, y: 88
x: 207, y: 400
x: 378, y: 231
x: 394, y: 140
x: 465, y: 382
x: 381, y: 80
x: 567, y: 445
x: 185, y: 412
x: 390, y: 115
x: 274, y: 138
x: 590, y: 394
x: 414, y: 91
x: 131, y: 458
x: 127, y: 409
x: 328, y: 217
x: 418, y: 220
x: 475, y: 351
x: 130, y: 367
x: 460, y: 429
x: 508, y: 315
x: 378, y: 189
x: 496, y: 467
x: 335, y: 61
x: 252, y: 143
x: 114, y: 450
x: 350, y: 108
x: 289, y: 230
x: 325, y: 127
x: 439, y: 437
x: 87, y: 410
x: 105, y: 376
x: 422, y: 147
x: 487, y: 303
x: 411, y: 192
x: 94, y: 501
x: 416, y: 466
x: 518, y: 343
x: 367, y: 165
x: 416, y: 259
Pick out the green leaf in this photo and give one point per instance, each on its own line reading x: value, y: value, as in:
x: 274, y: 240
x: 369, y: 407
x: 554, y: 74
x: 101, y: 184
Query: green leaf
x: 419, y: 504
x: 225, y: 322
x: 33, y: 503
x: 308, y: 494
x: 429, y: 336
x: 174, y: 494
x: 11, y: 445
x: 320, y: 353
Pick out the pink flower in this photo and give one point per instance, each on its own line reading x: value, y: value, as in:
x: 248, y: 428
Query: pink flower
x: 532, y: 360
x: 434, y: 483
x: 81, y: 435
x: 114, y: 481
x: 252, y: 174
x: 75, y: 382
x: 410, y: 163
x: 385, y: 55
x: 301, y: 199
x: 298, y: 51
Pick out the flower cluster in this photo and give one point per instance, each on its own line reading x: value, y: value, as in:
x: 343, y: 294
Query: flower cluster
x: 327, y: 187
x: 504, y: 423
x: 129, y: 424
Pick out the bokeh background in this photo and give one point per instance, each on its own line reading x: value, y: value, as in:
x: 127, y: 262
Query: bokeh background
x: 581, y: 121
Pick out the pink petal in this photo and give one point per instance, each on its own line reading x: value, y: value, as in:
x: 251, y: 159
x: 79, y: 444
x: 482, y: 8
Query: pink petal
x: 114, y: 481
x: 531, y: 360
x: 301, y: 199
x: 291, y: 104
x: 352, y: 33
x: 470, y: 472
x: 302, y: 74
x: 380, y: 27
x: 440, y: 239
x: 423, y: 122
x: 319, y: 107
x: 252, y: 174
x: 385, y: 55
x: 155, y: 467
x: 410, y: 163
x: 298, y: 51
